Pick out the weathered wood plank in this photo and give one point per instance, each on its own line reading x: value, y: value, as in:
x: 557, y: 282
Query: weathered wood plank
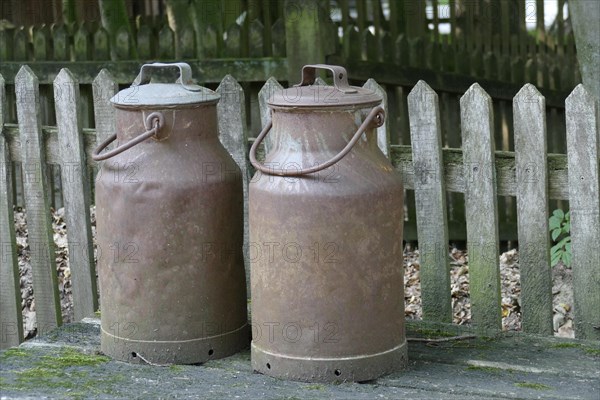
x: 76, y: 195
x: 124, y: 72
x: 233, y: 44
x: 529, y: 113
x: 186, y: 42
x: 41, y: 243
x: 233, y: 134
x: 279, y: 42
x: 265, y: 93
x: 82, y: 44
x: 102, y: 47
x: 256, y: 42
x: 304, y: 25
x: 430, y: 193
x: 440, y: 81
x: 583, y: 146
x: 477, y: 122
x: 104, y: 87
x: 349, y: 44
x: 11, y: 319
x: 383, y: 132
x: 166, y: 43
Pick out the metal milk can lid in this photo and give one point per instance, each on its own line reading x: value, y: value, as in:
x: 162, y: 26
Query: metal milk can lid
x: 341, y: 94
x: 184, y: 91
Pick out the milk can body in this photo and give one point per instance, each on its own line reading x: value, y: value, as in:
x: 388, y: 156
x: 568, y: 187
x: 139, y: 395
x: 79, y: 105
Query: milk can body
x: 169, y: 230
x: 326, y: 246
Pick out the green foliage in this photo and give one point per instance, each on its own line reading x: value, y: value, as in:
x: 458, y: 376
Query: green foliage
x: 531, y: 385
x: 560, y: 229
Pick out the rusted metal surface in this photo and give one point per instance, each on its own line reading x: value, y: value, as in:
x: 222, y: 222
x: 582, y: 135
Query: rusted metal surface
x: 169, y: 231
x: 326, y: 250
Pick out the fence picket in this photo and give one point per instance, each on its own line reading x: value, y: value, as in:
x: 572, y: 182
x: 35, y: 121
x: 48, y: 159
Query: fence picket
x: 11, y: 319
x: 256, y: 43
x: 268, y: 89
x: 104, y: 87
x: 76, y: 195
x: 430, y: 193
x: 41, y: 244
x: 278, y: 35
x: 101, y: 45
x: 123, y: 41
x: 60, y: 43
x: 383, y: 132
x: 166, y: 44
x: 233, y: 44
x: 477, y: 126
x: 41, y: 43
x: 186, y: 43
x: 529, y: 113
x: 145, y: 42
x: 233, y: 134
x: 583, y: 146
x: 20, y: 45
x: 82, y: 44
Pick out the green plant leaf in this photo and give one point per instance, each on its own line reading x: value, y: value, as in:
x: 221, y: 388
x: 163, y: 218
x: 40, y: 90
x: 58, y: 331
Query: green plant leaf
x: 556, y: 233
x: 556, y: 255
x: 567, y: 227
x: 559, y: 213
x: 555, y: 248
x: 554, y: 222
x: 566, y: 258
x: 564, y: 241
x: 568, y: 248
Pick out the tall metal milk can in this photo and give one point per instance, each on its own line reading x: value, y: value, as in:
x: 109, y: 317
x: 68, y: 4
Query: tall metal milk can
x: 326, y: 218
x: 169, y: 215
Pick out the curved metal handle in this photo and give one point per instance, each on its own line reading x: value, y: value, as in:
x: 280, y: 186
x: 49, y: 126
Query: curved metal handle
x: 377, y: 115
x: 185, y: 75
x: 156, y: 120
x: 340, y: 76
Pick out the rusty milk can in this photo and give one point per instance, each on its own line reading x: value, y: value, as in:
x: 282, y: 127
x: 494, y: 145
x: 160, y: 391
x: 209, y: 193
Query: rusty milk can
x: 169, y: 211
x: 326, y: 218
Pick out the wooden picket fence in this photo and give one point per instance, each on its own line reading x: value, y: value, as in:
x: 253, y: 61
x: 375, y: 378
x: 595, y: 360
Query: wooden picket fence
x: 399, y: 42
x: 481, y: 173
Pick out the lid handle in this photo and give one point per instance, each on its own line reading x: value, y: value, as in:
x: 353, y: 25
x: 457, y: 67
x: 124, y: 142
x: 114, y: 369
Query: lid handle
x: 340, y: 76
x: 185, y: 75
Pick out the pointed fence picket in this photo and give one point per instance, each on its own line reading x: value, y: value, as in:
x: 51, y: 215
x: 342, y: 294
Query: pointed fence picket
x: 430, y: 199
x: 478, y: 171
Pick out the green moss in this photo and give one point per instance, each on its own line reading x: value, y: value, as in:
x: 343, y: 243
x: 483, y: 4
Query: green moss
x: 97, y: 314
x: 63, y: 371
x: 531, y: 385
x: 565, y: 346
x: 70, y: 357
x: 314, y: 387
x: 176, y: 368
x: 14, y: 352
x: 592, y: 351
x: 432, y: 333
